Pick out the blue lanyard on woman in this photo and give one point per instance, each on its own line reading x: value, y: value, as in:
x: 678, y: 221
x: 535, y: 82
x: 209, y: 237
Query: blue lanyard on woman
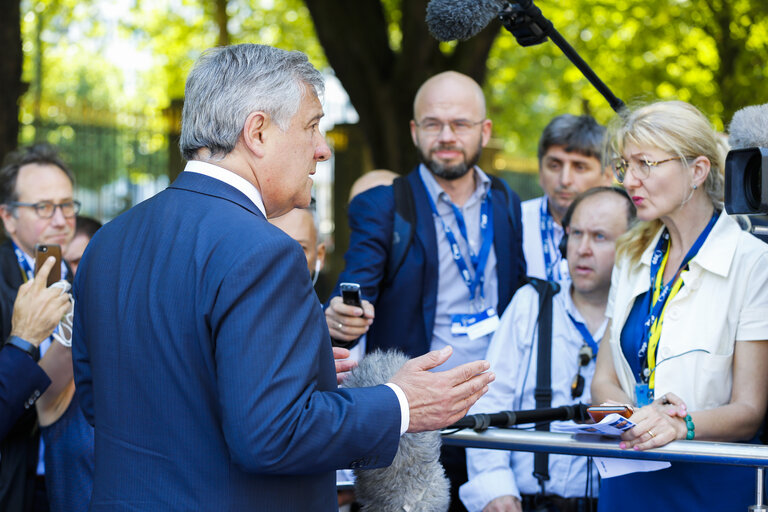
x: 652, y: 325
x: 548, y: 245
x: 486, y: 235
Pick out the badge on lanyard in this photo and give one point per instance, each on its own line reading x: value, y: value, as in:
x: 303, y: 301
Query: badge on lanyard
x: 660, y: 297
x: 476, y: 325
x: 486, y: 320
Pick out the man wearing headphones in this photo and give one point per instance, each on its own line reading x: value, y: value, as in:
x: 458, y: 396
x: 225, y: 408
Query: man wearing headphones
x: 502, y: 480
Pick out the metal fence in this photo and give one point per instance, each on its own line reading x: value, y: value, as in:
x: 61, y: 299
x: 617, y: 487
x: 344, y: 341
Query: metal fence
x: 736, y: 454
x: 115, y: 167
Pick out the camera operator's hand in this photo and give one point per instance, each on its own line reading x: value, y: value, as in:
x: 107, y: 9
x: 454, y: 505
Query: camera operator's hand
x: 347, y: 323
x: 439, y: 399
x: 37, y: 309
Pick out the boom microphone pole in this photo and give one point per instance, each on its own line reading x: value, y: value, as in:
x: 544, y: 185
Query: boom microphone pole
x: 506, y: 419
x: 526, y: 22
x: 450, y: 20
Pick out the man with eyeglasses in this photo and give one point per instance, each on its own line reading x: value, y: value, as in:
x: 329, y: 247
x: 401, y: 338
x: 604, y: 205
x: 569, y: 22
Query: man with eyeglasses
x: 464, y: 261
x: 506, y: 481
x: 37, y: 207
x: 570, y: 149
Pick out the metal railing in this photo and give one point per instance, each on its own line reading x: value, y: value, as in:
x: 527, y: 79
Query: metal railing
x: 735, y: 454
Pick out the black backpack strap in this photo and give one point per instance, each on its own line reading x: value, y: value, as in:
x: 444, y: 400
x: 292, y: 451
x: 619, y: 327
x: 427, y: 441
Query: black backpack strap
x: 501, y: 186
x: 403, y: 225
x: 543, y: 392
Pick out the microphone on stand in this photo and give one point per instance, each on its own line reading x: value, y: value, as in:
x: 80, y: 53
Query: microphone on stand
x: 506, y: 419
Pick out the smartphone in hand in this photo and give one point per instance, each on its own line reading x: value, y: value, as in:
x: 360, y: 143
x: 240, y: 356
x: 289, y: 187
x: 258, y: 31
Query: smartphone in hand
x: 350, y: 294
x: 42, y: 253
x: 598, y: 412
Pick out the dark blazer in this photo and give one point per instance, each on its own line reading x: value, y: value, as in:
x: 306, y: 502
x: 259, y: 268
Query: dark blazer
x: 405, y: 303
x: 202, y: 357
x: 21, y: 382
x: 19, y: 447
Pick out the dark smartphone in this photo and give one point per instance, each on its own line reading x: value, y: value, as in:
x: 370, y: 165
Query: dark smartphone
x: 350, y: 294
x: 599, y: 412
x: 42, y: 253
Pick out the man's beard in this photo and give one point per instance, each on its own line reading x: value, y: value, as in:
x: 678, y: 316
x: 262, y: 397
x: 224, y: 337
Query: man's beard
x: 451, y: 172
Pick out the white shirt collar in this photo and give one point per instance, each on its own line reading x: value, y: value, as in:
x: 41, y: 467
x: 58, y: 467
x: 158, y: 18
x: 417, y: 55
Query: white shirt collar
x: 230, y: 178
x: 718, y: 250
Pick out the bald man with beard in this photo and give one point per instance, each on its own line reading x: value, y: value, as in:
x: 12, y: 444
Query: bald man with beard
x: 465, y: 259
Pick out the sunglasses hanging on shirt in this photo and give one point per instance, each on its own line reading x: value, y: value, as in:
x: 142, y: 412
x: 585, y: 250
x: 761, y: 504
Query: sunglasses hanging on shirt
x: 584, y: 357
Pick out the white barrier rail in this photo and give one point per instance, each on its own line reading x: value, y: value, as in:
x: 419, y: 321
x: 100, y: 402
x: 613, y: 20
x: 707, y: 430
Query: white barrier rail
x: 736, y: 454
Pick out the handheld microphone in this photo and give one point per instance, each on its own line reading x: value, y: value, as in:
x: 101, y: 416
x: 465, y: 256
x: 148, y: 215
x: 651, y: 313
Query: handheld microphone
x: 415, y: 480
x: 449, y: 20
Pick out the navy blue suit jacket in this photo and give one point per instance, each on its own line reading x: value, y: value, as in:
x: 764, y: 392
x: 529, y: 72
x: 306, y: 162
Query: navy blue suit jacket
x: 21, y: 381
x: 405, y: 303
x: 202, y: 355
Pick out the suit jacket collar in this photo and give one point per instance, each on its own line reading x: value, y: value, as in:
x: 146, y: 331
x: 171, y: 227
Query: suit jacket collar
x: 201, y: 184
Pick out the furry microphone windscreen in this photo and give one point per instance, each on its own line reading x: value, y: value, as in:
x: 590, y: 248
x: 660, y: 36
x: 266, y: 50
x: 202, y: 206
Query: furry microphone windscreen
x: 449, y: 20
x: 415, y: 481
x: 749, y: 128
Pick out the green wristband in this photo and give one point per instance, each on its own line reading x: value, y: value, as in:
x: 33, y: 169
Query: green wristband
x: 691, y: 427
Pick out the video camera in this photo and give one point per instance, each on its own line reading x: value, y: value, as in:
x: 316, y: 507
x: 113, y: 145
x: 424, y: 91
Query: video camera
x: 746, y: 181
x: 746, y: 169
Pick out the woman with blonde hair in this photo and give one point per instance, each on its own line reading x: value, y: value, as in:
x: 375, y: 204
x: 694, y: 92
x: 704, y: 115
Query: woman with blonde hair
x: 688, y: 304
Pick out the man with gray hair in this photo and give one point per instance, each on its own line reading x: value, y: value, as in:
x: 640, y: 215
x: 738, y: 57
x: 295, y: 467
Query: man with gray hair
x: 205, y: 364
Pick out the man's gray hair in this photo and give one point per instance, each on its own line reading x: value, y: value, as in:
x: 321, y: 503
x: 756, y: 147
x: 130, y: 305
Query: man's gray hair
x: 749, y: 127
x: 415, y: 481
x: 228, y: 83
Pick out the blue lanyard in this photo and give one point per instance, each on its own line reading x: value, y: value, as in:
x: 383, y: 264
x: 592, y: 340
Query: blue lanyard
x: 662, y: 246
x: 548, y: 245
x: 486, y: 235
x: 23, y: 263
x: 585, y: 334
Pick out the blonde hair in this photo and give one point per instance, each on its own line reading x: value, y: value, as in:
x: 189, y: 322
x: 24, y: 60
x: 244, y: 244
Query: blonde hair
x: 680, y: 129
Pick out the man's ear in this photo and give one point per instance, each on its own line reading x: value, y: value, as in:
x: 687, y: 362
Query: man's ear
x: 321, y: 255
x: 254, y: 132
x: 487, y: 127
x: 9, y: 221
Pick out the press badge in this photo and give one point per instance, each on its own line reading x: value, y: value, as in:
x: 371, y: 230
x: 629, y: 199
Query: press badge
x: 476, y: 325
x: 643, y: 394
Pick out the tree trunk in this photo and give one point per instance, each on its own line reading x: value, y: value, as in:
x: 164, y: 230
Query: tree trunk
x: 11, y: 86
x: 382, y: 82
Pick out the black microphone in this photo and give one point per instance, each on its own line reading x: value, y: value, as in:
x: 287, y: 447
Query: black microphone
x: 449, y: 20
x: 504, y: 419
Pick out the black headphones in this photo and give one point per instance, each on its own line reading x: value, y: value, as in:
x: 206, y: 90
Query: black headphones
x: 563, y: 245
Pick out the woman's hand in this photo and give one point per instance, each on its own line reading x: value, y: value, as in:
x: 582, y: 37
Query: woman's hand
x: 657, y: 424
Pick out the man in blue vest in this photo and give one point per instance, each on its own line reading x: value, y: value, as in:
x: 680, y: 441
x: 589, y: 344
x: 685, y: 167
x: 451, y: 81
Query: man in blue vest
x: 465, y: 259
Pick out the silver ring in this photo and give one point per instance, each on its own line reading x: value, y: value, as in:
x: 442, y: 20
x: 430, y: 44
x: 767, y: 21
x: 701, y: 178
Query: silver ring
x: 341, y: 326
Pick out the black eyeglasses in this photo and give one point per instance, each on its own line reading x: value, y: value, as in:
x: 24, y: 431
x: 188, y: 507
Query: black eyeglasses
x: 46, y: 209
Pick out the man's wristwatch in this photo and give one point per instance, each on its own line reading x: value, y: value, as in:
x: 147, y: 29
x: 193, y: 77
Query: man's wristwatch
x: 24, y: 346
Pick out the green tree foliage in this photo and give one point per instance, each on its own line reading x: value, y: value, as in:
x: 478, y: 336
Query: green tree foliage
x: 711, y: 53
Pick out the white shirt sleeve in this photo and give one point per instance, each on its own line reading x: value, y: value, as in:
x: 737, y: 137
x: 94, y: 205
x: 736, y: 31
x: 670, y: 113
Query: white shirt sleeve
x: 753, y: 321
x: 405, y: 412
x: 490, y: 472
